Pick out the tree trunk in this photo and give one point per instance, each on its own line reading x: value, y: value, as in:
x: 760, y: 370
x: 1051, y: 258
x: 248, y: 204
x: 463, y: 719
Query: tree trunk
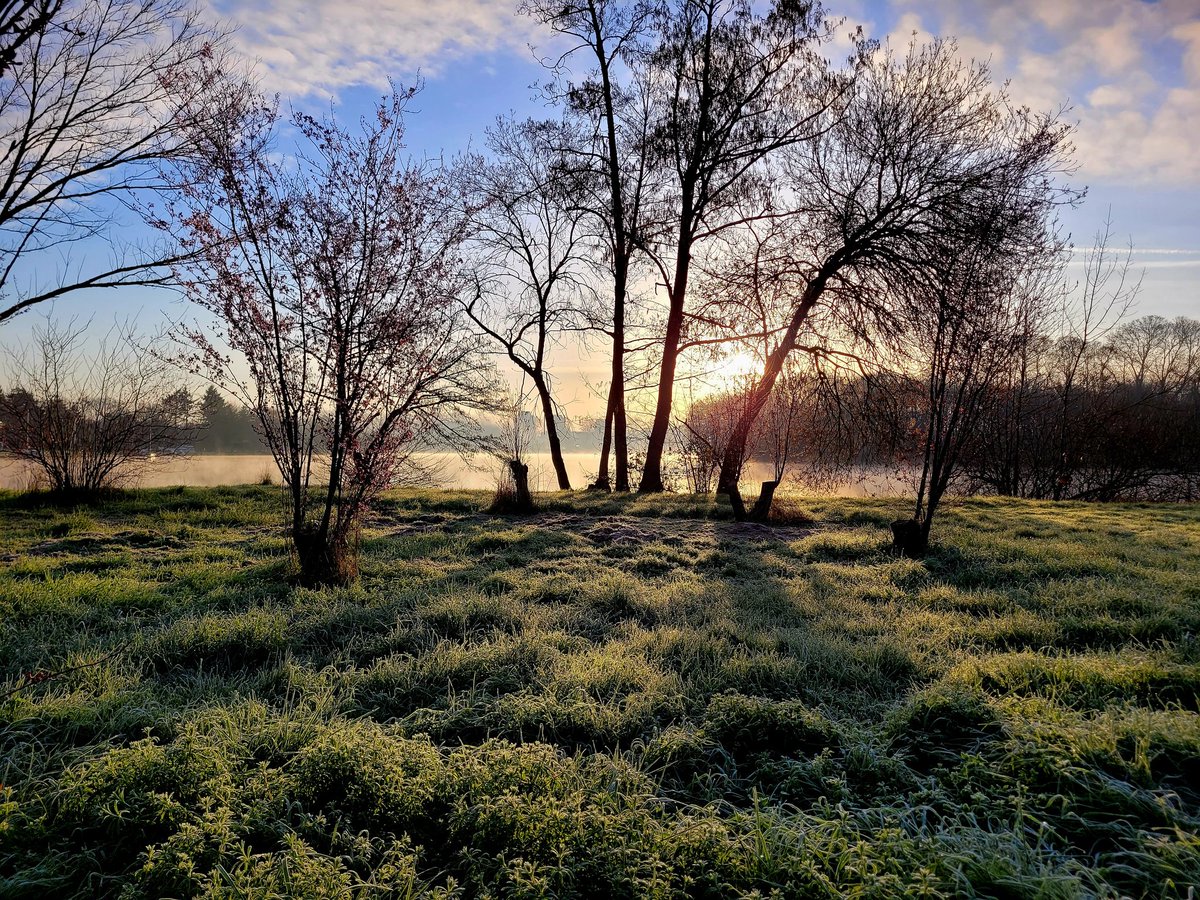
x: 735, y: 500
x: 602, y: 483
x: 556, y: 457
x: 621, y: 434
x: 325, y: 558
x: 735, y: 449
x: 520, y: 473
x: 615, y: 436
x: 762, y: 507
x: 652, y: 481
x: 909, y: 537
x: 621, y: 256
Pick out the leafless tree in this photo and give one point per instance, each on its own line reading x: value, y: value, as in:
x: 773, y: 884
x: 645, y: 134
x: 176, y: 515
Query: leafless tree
x: 609, y: 120
x: 529, y: 244
x: 958, y: 338
x: 701, y: 433
x: 1060, y: 390
x: 88, y: 418
x: 337, y: 284
x: 913, y: 166
x: 733, y: 85
x: 94, y: 95
x: 795, y: 397
x: 1107, y: 294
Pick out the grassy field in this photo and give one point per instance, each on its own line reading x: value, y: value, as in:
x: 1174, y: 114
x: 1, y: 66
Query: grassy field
x: 621, y: 697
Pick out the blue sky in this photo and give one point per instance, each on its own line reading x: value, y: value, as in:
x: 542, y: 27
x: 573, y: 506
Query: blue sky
x: 1128, y: 70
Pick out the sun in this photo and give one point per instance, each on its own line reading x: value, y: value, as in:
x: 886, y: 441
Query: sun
x: 736, y: 368
x: 731, y: 372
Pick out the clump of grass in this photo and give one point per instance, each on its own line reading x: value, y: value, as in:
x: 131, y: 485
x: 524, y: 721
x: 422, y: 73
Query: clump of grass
x: 790, y: 512
x: 750, y: 725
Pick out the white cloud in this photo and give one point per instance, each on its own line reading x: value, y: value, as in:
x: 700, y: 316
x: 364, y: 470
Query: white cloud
x: 1104, y: 57
x: 313, y: 47
x: 1129, y: 69
x: 1189, y: 35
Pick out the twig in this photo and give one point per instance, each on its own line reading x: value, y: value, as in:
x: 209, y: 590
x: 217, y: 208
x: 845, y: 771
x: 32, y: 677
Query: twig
x: 42, y: 677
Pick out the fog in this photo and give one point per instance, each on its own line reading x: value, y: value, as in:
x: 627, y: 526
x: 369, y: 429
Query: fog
x: 446, y: 470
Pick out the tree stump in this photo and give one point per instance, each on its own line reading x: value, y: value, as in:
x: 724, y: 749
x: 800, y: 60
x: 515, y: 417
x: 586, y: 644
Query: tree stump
x: 908, y: 537
x: 762, y: 506
x: 523, y: 501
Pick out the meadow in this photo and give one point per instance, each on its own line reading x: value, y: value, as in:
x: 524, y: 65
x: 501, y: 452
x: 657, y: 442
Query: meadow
x: 619, y: 697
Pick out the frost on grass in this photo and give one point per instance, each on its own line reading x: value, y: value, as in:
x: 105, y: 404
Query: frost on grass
x: 550, y: 707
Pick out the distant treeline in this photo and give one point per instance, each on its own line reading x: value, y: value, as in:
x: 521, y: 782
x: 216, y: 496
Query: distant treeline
x: 222, y: 427
x: 1114, y: 417
x: 177, y: 422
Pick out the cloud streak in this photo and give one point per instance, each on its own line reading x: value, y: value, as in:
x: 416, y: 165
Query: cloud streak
x: 320, y: 47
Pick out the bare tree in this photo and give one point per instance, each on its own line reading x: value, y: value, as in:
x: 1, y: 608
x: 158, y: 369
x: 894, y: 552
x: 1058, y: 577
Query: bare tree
x: 732, y: 87
x: 1060, y: 394
x: 96, y: 95
x: 913, y: 166
x: 700, y: 436
x: 609, y: 143
x: 528, y: 238
x: 88, y: 418
x: 337, y: 284
x: 961, y: 335
x: 796, y: 396
x: 1108, y: 292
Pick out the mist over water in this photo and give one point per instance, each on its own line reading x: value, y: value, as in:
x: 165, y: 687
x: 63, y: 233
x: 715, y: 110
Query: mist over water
x: 448, y: 470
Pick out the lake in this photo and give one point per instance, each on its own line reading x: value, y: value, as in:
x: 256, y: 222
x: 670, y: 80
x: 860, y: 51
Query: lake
x: 479, y: 472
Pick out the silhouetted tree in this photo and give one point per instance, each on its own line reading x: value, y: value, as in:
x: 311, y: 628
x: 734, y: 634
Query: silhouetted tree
x: 337, y: 283
x: 1132, y: 427
x: 528, y: 242
x: 732, y: 86
x: 94, y: 95
x: 915, y: 165
x: 957, y: 339
x: 608, y: 141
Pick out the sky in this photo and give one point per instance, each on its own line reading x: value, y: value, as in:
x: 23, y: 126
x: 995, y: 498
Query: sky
x: 1127, y: 71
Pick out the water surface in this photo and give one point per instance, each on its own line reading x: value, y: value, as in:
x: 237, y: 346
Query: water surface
x: 447, y: 469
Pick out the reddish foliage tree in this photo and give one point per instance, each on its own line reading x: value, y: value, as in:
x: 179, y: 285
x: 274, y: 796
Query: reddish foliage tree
x: 335, y: 281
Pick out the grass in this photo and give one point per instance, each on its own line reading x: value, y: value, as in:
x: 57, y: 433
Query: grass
x: 665, y: 706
